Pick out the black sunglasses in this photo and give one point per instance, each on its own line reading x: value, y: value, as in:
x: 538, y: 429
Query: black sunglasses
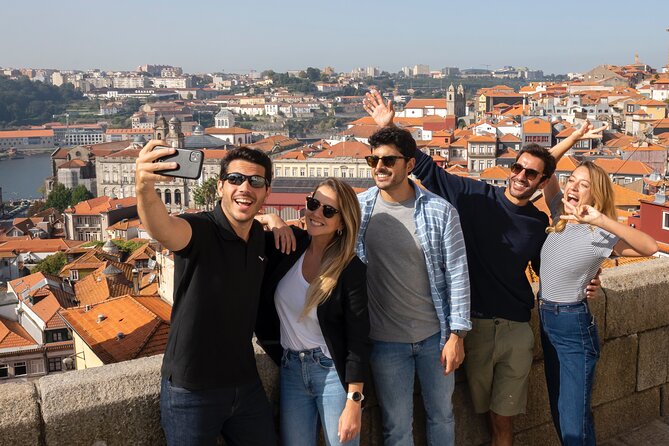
x: 530, y: 174
x: 328, y: 211
x: 238, y: 179
x: 388, y: 161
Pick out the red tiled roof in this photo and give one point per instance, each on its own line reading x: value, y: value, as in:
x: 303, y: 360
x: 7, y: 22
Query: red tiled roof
x: 26, y: 134
x: 226, y: 131
x: 496, y: 173
x: 354, y: 149
x: 37, y: 245
x: 616, y: 165
x: 536, y: 125
x: 102, y: 204
x: 13, y: 335
x: 143, y: 322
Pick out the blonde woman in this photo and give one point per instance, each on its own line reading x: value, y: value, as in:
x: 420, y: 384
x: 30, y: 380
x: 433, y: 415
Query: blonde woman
x: 313, y: 321
x: 585, y: 231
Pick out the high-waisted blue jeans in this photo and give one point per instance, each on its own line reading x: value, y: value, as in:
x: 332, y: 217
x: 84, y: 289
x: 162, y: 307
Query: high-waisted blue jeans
x: 571, y: 350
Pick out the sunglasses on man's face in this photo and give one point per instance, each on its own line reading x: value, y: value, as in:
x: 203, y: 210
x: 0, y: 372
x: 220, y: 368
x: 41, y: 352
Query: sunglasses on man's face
x: 388, y: 161
x: 328, y: 211
x: 530, y: 174
x: 238, y: 179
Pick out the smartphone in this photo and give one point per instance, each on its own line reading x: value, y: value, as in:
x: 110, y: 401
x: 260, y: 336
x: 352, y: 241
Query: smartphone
x: 189, y: 163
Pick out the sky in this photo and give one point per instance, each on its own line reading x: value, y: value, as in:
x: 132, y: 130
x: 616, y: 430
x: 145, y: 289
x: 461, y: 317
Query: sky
x: 236, y: 37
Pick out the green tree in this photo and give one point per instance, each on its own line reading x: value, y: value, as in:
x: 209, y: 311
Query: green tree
x: 313, y: 74
x: 205, y: 195
x: 51, y: 264
x: 60, y: 197
x: 79, y: 194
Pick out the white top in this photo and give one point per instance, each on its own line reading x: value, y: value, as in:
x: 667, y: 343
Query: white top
x: 291, y: 293
x: 571, y: 258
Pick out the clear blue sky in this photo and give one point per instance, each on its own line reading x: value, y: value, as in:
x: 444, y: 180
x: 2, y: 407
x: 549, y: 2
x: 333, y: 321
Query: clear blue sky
x: 215, y: 35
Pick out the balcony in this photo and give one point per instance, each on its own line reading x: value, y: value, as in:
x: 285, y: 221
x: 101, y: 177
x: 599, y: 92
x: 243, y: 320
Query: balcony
x: 118, y: 404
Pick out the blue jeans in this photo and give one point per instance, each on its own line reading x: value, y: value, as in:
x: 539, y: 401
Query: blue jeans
x: 571, y: 350
x: 394, y: 365
x: 241, y: 414
x: 310, y: 388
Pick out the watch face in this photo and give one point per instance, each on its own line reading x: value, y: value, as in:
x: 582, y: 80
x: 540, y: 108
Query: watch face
x: 357, y: 396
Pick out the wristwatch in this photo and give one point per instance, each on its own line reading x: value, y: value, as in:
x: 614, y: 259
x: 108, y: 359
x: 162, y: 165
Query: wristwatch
x: 459, y: 333
x: 355, y: 396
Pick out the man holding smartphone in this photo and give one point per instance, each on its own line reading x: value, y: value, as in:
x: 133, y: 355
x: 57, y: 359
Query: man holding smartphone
x: 210, y: 384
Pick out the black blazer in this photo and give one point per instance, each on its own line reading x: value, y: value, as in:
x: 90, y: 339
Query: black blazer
x: 343, y: 317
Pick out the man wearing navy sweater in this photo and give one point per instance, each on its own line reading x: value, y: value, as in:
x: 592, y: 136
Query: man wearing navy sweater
x: 503, y: 232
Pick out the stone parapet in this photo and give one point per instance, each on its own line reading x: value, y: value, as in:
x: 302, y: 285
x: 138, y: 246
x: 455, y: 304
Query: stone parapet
x: 119, y: 404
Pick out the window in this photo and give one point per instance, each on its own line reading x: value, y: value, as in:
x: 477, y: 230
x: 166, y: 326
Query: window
x: 177, y: 197
x: 74, y: 274
x: 20, y: 368
x: 312, y: 171
x: 4, y: 371
x: 55, y: 364
x: 665, y: 220
x: 168, y: 196
x: 303, y: 171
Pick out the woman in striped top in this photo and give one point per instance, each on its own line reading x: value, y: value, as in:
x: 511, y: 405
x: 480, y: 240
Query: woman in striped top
x: 585, y: 231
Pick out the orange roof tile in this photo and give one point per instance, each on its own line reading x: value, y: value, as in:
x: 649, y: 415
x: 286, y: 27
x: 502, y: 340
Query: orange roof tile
x: 353, y: 149
x: 627, y: 197
x: 143, y: 322
x: 13, y: 335
x: 102, y: 204
x: 567, y: 164
x: 508, y: 137
x: 427, y: 103
x: 496, y: 173
x: 483, y: 138
x: 36, y: 245
x: 226, y: 131
x: 361, y: 131
x: 536, y: 125
x: 616, y: 165
x: 26, y: 134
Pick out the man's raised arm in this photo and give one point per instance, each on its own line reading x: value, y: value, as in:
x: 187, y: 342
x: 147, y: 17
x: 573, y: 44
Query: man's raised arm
x: 172, y: 232
x: 586, y: 131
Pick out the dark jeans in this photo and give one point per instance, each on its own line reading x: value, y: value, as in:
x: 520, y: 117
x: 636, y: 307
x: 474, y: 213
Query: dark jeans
x: 571, y: 350
x: 241, y: 414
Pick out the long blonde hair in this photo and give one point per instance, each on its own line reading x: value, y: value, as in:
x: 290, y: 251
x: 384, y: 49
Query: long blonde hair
x: 341, y: 249
x: 602, y: 193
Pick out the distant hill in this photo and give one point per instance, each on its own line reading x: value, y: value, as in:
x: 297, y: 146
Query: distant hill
x: 23, y: 102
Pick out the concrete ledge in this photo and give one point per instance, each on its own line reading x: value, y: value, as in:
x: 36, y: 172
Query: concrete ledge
x: 20, y: 422
x: 636, y: 297
x: 113, y: 405
x: 119, y: 404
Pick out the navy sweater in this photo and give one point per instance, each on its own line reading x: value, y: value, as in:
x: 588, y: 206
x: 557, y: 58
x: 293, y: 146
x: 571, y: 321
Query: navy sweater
x: 501, y: 240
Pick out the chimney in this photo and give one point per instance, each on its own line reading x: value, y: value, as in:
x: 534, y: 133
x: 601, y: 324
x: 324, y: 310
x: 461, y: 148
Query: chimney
x: 101, y: 317
x: 135, y: 281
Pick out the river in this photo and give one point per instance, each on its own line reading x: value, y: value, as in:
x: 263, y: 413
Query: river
x: 21, y: 178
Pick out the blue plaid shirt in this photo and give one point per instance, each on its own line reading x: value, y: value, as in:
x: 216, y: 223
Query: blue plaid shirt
x: 438, y: 230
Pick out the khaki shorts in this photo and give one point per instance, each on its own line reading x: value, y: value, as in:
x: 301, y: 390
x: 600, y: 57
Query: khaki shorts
x: 498, y: 358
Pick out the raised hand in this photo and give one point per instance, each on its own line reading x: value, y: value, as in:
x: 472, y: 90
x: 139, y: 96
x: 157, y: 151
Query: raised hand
x: 581, y: 213
x: 588, y: 131
x: 382, y: 112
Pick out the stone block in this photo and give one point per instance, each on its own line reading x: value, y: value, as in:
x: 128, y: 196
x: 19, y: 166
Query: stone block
x: 544, y: 435
x: 615, y: 375
x: 623, y: 415
x: 636, y: 297
x: 470, y: 427
x: 117, y: 404
x: 20, y: 422
x: 654, y: 433
x: 538, y: 409
x: 652, y: 359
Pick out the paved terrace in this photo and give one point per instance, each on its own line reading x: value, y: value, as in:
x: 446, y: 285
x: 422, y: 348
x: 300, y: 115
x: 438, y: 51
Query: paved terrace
x: 118, y: 404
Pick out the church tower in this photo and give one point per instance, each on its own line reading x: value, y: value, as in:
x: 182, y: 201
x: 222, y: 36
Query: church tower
x: 450, y: 101
x: 160, y: 128
x: 174, y: 137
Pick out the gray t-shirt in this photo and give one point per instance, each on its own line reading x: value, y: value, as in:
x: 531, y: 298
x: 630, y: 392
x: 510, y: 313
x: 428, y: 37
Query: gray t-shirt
x: 400, y: 303
x: 571, y: 258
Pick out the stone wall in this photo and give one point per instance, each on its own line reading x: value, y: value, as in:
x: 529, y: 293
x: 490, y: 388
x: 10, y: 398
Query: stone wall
x: 118, y: 404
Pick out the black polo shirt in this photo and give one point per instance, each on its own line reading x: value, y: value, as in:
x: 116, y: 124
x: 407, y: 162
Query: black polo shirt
x: 217, y: 281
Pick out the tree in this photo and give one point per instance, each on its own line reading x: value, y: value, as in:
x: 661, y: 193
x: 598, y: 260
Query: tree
x: 59, y: 198
x: 79, y: 194
x: 313, y: 74
x: 205, y: 195
x: 51, y: 264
